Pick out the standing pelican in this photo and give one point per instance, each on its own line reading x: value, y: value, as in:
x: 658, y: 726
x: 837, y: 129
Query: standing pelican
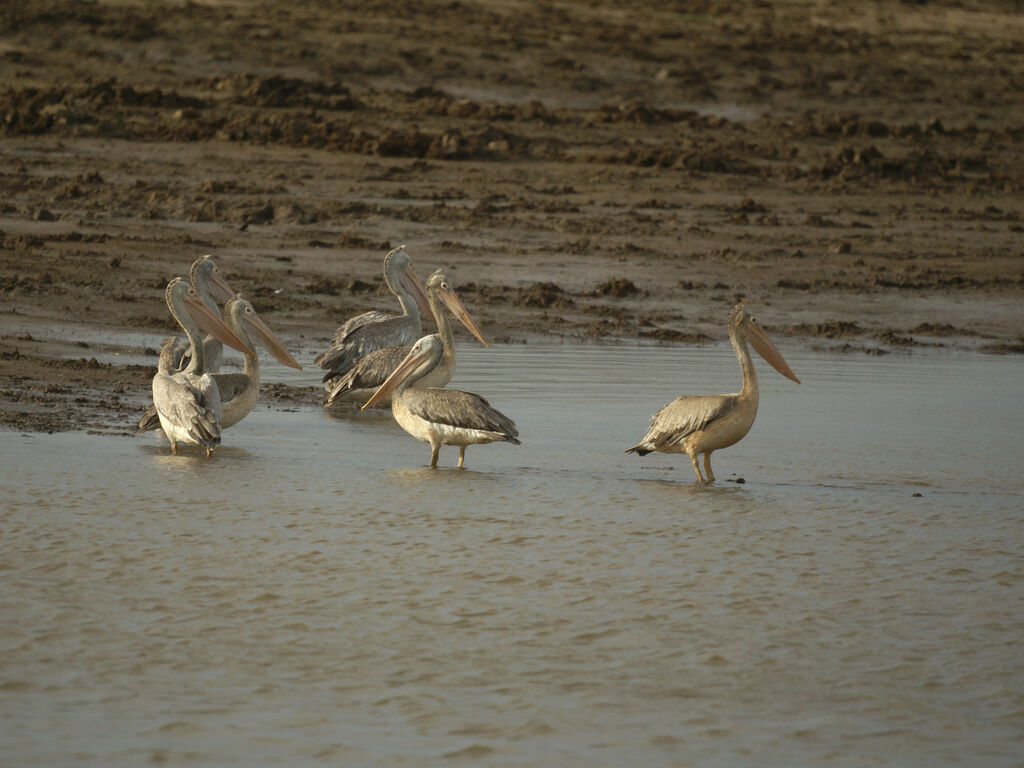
x: 369, y: 372
x: 239, y: 391
x: 440, y: 416
x: 175, y: 353
x: 188, y: 402
x: 373, y: 330
x: 704, y: 423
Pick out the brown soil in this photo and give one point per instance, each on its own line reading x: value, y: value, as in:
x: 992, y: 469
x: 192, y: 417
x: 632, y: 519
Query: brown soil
x: 583, y: 171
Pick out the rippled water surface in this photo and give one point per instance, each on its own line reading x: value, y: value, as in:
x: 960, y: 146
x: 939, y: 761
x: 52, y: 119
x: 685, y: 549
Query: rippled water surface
x: 315, y: 594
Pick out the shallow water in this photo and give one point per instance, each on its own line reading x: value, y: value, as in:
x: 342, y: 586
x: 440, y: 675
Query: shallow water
x: 315, y: 594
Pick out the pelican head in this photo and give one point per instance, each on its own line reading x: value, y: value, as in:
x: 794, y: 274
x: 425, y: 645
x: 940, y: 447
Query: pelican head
x: 206, y: 274
x: 439, y: 285
x: 422, y: 358
x: 742, y: 325
x: 244, y: 316
x: 180, y: 295
x: 402, y: 280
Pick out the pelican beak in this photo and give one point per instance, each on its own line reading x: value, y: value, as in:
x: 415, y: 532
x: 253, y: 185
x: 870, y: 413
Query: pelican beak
x: 214, y: 326
x: 407, y: 366
x: 456, y: 308
x: 764, y: 347
x: 271, y: 342
x: 220, y: 291
x: 414, y: 287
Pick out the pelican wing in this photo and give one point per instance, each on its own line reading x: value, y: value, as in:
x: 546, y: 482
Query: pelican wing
x: 150, y: 420
x: 191, y: 404
x: 367, y: 372
x: 231, y: 385
x: 354, y: 323
x: 375, y: 331
x: 681, y: 418
x: 456, y: 408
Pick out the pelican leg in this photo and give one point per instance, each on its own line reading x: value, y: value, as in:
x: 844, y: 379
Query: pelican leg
x: 696, y: 467
x: 462, y: 455
x: 174, y: 448
x: 209, y: 451
x: 707, y: 467
x: 434, y: 450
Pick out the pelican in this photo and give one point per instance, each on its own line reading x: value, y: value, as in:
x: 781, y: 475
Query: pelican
x: 702, y: 424
x: 369, y: 372
x: 440, y: 416
x: 188, y: 402
x: 211, y: 287
x: 239, y: 391
x: 374, y: 330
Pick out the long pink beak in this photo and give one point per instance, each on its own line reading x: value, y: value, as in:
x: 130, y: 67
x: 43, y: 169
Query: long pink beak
x: 764, y: 347
x: 411, y: 361
x: 213, y: 325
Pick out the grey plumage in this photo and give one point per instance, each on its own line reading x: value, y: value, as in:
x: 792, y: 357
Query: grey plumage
x: 193, y: 407
x: 457, y: 408
x: 369, y: 373
x: 362, y: 335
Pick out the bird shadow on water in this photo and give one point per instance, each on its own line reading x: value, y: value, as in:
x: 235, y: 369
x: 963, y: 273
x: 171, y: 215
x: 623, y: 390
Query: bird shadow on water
x: 426, y: 474
x: 351, y: 412
x: 715, y: 489
x: 193, y: 456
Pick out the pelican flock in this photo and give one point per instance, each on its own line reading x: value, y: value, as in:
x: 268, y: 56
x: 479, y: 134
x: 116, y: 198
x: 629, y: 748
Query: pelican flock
x: 381, y: 359
x: 701, y: 424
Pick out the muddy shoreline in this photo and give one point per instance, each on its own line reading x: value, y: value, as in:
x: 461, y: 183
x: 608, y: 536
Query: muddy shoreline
x: 583, y: 174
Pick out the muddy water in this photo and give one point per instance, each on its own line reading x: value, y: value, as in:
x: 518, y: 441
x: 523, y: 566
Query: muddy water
x: 314, y: 594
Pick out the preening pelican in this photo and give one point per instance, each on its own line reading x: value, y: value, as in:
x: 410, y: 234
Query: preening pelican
x: 239, y: 391
x: 702, y: 424
x: 188, y: 402
x: 370, y: 371
x: 374, y: 330
x: 440, y: 416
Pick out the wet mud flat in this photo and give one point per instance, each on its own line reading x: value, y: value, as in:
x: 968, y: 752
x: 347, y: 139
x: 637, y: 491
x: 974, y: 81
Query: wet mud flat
x: 583, y: 173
